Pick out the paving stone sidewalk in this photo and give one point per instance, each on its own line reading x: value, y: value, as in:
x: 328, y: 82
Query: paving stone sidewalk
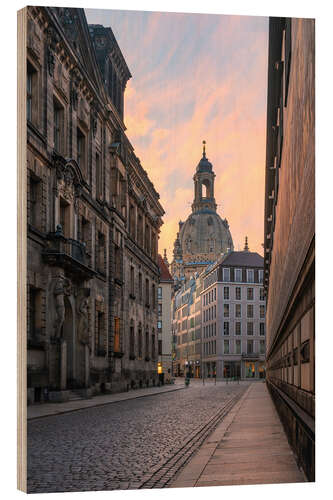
x: 248, y: 447
x: 47, y: 409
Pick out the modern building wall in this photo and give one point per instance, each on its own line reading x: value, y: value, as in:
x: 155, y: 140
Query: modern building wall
x: 290, y: 231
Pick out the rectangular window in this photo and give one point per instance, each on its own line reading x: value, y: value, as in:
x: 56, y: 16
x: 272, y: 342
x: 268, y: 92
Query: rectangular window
x: 226, y: 293
x: 65, y: 221
x: 250, y: 328
x: 153, y: 294
x: 153, y: 347
x: 226, y: 328
x: 238, y: 346
x: 226, y: 310
x: 159, y: 292
x: 226, y: 346
x: 160, y: 347
x: 159, y: 325
x: 262, y: 311
x: 58, y: 124
x: 262, y: 328
x: 238, y: 293
x: 250, y: 276
x: 250, y: 310
x: 132, y: 282
x: 250, y: 294
x: 160, y: 309
x: 81, y: 149
x: 147, y: 292
x: 238, y: 311
x: 262, y: 347
x: 32, y: 89
x: 100, y: 254
x: 99, y: 183
x: 34, y: 199
x: 238, y: 275
x: 226, y: 274
x: 214, y: 293
x: 250, y: 346
x: 262, y: 294
x: 261, y: 275
x: 116, y: 341
x: 238, y: 328
x: 140, y: 287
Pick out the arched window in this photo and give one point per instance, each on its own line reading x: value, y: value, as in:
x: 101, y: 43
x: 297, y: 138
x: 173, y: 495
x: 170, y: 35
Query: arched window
x: 206, y: 189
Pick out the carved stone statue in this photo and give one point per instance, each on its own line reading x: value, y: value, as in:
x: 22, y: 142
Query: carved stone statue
x: 83, y: 318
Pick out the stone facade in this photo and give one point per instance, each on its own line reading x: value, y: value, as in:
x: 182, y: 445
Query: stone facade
x: 164, y: 321
x: 92, y: 215
x: 219, y: 320
x: 290, y: 231
x: 204, y: 236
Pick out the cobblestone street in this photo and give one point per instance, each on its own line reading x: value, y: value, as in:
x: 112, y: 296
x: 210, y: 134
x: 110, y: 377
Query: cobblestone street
x: 118, y: 445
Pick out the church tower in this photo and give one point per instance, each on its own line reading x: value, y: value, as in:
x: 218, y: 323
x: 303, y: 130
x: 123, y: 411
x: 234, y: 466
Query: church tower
x: 204, y: 236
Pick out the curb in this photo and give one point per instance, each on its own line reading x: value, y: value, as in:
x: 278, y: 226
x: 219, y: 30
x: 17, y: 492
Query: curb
x: 29, y: 419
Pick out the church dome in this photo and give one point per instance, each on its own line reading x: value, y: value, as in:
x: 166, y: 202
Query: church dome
x: 205, y: 235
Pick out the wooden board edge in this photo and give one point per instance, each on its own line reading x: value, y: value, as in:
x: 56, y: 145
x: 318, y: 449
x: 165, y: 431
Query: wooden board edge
x: 21, y: 251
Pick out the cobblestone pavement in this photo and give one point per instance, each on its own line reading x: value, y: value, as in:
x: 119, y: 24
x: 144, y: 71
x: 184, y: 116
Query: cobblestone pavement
x: 118, y: 446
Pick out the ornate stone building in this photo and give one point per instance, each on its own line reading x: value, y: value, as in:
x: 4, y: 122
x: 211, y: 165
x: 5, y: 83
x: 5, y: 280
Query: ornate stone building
x: 290, y: 231
x: 93, y: 216
x: 204, y: 236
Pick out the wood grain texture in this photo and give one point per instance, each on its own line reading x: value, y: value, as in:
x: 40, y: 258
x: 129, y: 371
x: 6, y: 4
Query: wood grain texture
x: 21, y: 251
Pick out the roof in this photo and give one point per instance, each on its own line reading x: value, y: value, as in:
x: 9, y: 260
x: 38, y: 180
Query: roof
x: 244, y: 258
x: 164, y: 271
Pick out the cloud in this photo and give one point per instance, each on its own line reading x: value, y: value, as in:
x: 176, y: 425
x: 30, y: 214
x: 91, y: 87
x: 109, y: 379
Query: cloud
x: 198, y: 77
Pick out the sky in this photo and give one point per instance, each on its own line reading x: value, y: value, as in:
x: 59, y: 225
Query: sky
x: 197, y: 77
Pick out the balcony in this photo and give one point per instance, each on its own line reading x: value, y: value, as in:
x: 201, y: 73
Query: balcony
x: 69, y: 254
x: 251, y: 355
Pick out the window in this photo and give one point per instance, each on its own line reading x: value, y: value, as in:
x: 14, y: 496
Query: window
x: 262, y: 294
x: 58, y: 125
x: 65, y: 218
x: 238, y: 346
x: 132, y: 282
x: 238, y: 328
x: 131, y: 341
x: 160, y: 309
x: 250, y: 276
x: 262, y: 311
x: 238, y: 293
x: 226, y: 328
x: 153, y: 346
x: 34, y: 202
x: 226, y: 274
x: 100, y: 253
x: 238, y: 311
x: 140, y: 287
x: 226, y: 293
x: 250, y: 328
x: 160, y: 347
x: 214, y: 293
x: 147, y: 344
x: 238, y: 275
x: 262, y: 347
x: 262, y: 328
x: 116, y: 342
x: 147, y: 292
x: 99, y: 182
x: 153, y: 293
x: 159, y: 325
x: 226, y: 310
x: 250, y: 310
x: 250, y: 346
x: 250, y: 294
x: 32, y: 89
x: 140, y: 342
x: 159, y: 292
x: 226, y: 346
x: 99, y: 334
x: 35, y: 310
x: 261, y: 275
x: 81, y: 149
